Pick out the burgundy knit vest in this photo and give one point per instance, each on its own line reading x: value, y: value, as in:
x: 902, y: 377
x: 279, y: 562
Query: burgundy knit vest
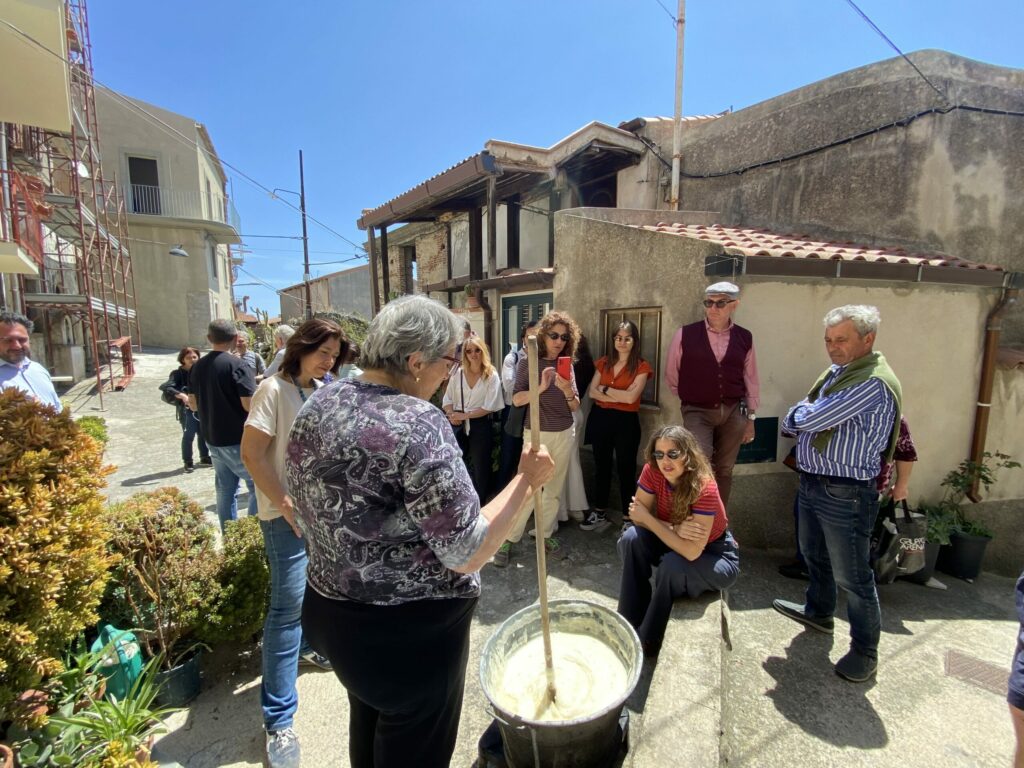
x: 703, y: 381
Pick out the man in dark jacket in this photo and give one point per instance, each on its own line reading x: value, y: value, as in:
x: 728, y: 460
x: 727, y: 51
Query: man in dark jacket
x: 220, y: 388
x: 713, y: 369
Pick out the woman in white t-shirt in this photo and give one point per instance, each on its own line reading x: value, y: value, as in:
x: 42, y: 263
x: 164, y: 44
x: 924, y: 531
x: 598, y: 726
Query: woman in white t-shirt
x: 314, y: 350
x: 472, y: 398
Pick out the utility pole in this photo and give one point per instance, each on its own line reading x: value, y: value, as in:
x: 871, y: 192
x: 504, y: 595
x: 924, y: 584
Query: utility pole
x: 677, y: 131
x: 305, y: 239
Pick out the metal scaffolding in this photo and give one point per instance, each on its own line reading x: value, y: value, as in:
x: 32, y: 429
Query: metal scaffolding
x: 85, y: 290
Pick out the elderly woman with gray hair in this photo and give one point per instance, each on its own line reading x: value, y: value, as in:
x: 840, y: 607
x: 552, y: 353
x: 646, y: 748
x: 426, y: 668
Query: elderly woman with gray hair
x: 395, y: 537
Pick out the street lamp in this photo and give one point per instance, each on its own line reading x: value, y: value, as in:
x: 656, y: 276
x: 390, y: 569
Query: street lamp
x: 305, y: 238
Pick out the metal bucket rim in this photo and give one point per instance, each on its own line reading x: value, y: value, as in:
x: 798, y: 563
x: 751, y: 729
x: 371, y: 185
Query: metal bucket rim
x: 631, y: 682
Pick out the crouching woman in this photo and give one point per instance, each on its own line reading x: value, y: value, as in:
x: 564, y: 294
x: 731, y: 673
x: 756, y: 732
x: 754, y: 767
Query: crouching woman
x: 680, y: 526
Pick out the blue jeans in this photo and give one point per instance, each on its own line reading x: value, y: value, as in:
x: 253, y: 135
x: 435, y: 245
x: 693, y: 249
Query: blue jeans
x: 836, y: 519
x: 282, y: 630
x: 716, y: 568
x: 189, y: 430
x: 228, y: 469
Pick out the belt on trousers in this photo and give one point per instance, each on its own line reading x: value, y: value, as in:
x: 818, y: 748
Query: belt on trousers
x: 841, y: 480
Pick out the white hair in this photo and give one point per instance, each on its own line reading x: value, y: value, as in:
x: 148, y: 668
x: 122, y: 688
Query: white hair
x: 864, y: 317
x: 407, y: 325
x: 283, y: 332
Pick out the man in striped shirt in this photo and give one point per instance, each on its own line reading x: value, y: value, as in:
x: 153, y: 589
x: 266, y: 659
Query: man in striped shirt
x: 845, y: 428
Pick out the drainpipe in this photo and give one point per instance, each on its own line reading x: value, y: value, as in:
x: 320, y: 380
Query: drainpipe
x: 993, y: 330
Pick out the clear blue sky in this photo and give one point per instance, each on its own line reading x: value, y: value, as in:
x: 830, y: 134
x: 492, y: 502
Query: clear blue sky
x: 382, y: 94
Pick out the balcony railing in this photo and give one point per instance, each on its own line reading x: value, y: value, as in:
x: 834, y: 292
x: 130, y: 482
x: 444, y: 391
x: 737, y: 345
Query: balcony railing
x: 22, y: 221
x: 181, y: 203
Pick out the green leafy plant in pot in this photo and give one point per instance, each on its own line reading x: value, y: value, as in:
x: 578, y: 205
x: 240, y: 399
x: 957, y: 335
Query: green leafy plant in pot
x: 967, y: 540
x: 38, y: 736
x: 118, y: 732
x: 166, y: 582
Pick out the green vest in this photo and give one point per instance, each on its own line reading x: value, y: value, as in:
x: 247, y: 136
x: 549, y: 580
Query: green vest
x: 871, y: 366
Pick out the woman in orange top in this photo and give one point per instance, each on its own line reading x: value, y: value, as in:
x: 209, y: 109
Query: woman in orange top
x: 614, y: 425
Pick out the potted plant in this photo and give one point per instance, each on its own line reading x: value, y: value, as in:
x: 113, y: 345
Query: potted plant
x: 113, y: 731
x: 968, y: 538
x: 53, y: 559
x: 165, y: 583
x: 941, y: 524
x: 471, y: 299
x: 244, y: 595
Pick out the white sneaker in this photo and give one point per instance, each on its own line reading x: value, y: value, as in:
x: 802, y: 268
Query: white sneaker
x: 283, y: 749
x: 577, y: 515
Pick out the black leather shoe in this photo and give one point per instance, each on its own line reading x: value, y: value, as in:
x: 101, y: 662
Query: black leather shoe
x: 856, y: 667
x: 794, y: 570
x: 795, y: 612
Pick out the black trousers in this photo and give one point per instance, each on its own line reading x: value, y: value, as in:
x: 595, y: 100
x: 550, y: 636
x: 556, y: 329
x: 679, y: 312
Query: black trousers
x: 615, y: 433
x: 511, y: 451
x: 477, y: 447
x: 404, y: 668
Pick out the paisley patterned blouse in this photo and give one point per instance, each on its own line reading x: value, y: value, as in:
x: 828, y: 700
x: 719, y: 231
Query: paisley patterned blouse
x: 382, y: 497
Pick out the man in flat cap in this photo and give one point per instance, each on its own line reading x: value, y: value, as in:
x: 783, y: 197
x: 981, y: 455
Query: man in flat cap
x: 712, y: 368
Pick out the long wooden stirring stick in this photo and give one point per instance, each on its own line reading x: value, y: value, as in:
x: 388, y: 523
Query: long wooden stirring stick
x: 538, y: 506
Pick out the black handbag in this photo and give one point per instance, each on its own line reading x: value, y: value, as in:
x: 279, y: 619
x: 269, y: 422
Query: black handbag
x: 898, y: 542
x: 165, y: 392
x: 514, y: 422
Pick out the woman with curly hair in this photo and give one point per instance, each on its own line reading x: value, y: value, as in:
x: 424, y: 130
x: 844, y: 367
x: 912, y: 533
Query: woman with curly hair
x: 680, y: 526
x: 557, y: 336
x: 470, y: 401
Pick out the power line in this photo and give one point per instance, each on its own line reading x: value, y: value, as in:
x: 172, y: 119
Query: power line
x: 666, y: 10
x: 178, y: 134
x: 896, y: 48
x: 319, y: 253
x: 259, y: 280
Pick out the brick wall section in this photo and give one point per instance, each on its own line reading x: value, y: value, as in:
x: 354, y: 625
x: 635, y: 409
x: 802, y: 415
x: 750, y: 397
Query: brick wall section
x: 432, y: 260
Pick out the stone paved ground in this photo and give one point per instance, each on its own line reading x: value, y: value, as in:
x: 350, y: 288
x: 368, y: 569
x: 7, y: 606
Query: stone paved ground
x: 772, y: 700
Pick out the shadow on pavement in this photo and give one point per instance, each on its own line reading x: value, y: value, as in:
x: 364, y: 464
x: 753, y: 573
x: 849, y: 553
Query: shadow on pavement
x: 151, y: 479
x: 209, y: 735
x: 839, y: 714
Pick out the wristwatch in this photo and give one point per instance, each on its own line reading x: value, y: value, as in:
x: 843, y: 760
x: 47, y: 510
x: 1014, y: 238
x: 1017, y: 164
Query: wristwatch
x: 752, y: 416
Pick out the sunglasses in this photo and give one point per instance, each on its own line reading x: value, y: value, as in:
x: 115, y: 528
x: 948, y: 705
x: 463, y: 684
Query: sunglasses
x: 556, y: 336
x: 721, y: 303
x: 674, y: 454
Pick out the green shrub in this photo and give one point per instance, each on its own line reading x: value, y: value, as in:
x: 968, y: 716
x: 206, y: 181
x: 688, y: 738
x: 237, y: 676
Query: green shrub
x: 353, y: 325
x: 166, y: 580
x: 53, y: 560
x: 95, y: 427
x: 244, y: 579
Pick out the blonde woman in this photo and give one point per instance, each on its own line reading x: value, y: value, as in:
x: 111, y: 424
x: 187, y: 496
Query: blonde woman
x: 680, y: 526
x: 470, y: 401
x: 557, y: 336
